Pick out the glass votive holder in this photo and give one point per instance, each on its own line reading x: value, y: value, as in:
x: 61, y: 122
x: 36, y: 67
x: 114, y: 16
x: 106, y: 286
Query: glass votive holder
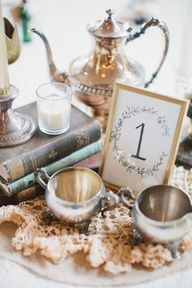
x: 54, y: 107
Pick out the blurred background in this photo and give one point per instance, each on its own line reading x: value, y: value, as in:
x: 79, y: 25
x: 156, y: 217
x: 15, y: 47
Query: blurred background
x: 64, y: 23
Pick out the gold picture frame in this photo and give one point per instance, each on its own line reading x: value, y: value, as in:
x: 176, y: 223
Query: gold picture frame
x: 155, y: 121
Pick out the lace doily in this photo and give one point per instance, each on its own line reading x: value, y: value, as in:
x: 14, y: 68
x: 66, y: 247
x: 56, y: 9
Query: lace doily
x: 109, y: 244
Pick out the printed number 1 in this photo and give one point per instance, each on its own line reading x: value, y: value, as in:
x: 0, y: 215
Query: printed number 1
x: 139, y: 144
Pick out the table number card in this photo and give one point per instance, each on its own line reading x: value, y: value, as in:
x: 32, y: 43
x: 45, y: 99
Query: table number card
x: 142, y: 137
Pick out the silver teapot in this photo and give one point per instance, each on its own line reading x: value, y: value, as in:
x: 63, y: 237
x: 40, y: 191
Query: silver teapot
x: 93, y: 75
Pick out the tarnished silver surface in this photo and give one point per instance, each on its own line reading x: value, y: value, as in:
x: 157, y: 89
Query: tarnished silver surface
x: 109, y: 27
x: 75, y: 194
x: 162, y: 26
x: 15, y: 128
x: 162, y: 213
x: 93, y: 75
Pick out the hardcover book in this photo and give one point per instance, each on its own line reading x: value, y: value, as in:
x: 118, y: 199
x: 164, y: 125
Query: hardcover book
x: 19, y: 161
x: 29, y: 180
x: 25, y: 195
x: 35, y: 190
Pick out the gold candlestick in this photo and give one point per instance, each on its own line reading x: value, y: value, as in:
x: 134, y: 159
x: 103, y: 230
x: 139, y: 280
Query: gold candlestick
x: 12, y: 41
x: 4, y: 77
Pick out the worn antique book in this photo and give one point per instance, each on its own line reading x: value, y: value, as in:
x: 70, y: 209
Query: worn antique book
x: 19, y: 161
x: 29, y: 180
x: 25, y: 195
x: 92, y: 162
x: 32, y: 192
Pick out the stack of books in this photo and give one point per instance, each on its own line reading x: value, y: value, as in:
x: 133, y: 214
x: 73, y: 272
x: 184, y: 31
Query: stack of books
x: 17, y: 164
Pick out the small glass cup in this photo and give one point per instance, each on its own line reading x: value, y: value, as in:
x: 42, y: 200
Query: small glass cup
x: 54, y: 107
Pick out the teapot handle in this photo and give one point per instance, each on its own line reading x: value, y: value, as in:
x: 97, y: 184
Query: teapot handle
x: 153, y: 22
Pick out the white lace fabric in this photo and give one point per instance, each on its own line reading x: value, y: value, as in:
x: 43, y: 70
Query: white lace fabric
x: 109, y: 244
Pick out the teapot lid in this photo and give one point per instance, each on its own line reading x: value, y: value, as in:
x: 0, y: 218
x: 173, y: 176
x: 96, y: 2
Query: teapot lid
x: 109, y: 27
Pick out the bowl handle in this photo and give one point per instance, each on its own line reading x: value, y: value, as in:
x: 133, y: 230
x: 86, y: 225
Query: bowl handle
x: 40, y: 176
x: 124, y: 194
x: 109, y: 202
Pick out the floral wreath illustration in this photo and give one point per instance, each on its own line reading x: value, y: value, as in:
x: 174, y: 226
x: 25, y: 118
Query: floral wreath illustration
x: 116, y: 135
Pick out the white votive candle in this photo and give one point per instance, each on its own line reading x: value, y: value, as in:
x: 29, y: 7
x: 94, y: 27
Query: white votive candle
x: 54, y: 108
x: 53, y: 116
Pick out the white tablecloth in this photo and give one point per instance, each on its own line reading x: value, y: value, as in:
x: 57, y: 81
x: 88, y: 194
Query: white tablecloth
x: 13, y: 275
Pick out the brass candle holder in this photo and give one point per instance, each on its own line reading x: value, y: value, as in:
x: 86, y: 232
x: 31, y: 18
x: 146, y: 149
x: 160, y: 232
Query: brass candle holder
x: 15, y: 128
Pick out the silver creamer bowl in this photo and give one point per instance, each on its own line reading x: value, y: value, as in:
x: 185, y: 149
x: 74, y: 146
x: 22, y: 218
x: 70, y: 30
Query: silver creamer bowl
x: 75, y: 194
x: 161, y: 213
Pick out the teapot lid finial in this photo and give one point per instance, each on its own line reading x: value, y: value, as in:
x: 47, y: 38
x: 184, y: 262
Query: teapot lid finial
x: 109, y: 27
x: 110, y: 12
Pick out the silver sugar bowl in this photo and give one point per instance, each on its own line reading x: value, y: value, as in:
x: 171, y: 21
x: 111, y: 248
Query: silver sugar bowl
x: 75, y: 194
x: 161, y: 213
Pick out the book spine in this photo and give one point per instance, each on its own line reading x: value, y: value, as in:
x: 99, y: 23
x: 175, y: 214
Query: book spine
x: 29, y: 180
x: 25, y: 195
x: 26, y: 163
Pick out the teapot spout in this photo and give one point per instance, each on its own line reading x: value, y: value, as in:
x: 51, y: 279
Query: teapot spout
x: 56, y: 75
